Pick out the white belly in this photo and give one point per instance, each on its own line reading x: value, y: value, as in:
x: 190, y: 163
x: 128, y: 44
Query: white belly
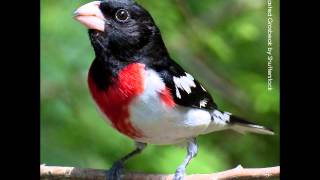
x: 161, y: 124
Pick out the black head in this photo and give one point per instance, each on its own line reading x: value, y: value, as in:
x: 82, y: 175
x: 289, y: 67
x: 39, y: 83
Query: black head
x: 120, y: 28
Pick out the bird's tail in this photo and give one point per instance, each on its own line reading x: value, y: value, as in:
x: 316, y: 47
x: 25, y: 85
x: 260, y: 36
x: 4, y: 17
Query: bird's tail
x: 242, y: 126
x: 226, y: 120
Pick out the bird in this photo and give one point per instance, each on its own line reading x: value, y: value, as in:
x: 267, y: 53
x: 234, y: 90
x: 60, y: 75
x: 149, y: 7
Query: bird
x: 142, y: 92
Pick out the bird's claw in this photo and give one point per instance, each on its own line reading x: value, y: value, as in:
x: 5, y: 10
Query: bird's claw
x: 179, y: 175
x: 116, y: 171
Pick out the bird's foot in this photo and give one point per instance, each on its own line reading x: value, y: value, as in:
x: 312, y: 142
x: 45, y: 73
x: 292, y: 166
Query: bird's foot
x: 180, y: 173
x: 116, y: 171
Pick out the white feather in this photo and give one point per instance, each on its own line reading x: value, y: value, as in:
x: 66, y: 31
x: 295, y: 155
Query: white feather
x: 219, y: 122
x: 178, y: 93
x: 221, y: 118
x: 251, y: 128
x: 184, y: 82
x: 203, y: 103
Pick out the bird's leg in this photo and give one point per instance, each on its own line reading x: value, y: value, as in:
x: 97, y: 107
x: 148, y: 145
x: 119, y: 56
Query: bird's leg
x: 192, y: 150
x: 117, y: 168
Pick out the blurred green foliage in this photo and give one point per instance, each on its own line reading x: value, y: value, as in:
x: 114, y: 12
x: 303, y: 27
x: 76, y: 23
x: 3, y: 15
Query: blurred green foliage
x: 223, y: 43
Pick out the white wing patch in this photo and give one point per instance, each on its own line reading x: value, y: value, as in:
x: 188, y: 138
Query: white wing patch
x: 178, y: 93
x: 184, y: 83
x: 203, y: 103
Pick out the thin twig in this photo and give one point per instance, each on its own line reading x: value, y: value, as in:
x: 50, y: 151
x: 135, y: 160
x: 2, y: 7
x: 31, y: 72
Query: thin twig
x: 72, y: 173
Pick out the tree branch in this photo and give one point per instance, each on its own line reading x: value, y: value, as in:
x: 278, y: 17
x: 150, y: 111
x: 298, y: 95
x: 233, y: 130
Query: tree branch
x: 239, y: 173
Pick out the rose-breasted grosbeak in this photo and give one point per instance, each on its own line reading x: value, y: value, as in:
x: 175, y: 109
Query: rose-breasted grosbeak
x: 144, y: 94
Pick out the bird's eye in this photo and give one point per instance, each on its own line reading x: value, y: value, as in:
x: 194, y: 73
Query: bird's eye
x: 122, y: 15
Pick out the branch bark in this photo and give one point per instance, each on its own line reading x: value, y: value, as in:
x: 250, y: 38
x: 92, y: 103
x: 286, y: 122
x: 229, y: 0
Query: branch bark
x: 238, y: 173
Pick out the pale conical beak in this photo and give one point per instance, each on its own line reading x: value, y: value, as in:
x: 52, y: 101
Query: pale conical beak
x: 91, y: 16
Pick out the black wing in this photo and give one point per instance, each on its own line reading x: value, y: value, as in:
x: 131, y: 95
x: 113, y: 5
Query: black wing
x: 186, y: 90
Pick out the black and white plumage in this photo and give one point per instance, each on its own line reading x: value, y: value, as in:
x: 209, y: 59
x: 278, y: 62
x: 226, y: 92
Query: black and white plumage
x: 186, y: 90
x: 145, y: 94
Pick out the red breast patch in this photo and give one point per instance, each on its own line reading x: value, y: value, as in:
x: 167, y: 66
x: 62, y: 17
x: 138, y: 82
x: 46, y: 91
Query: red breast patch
x: 114, y: 101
